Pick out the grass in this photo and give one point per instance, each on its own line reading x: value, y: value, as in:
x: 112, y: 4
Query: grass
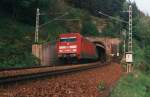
x: 136, y: 84
x: 133, y: 85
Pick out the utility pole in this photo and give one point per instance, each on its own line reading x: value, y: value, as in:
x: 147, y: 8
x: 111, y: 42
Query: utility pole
x: 118, y: 50
x: 129, y: 54
x: 37, y: 25
x: 124, y: 47
x: 124, y: 44
x: 130, y: 30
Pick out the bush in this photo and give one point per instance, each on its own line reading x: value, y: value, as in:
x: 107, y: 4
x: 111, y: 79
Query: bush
x: 88, y: 27
x: 24, y: 60
x: 101, y: 86
x: 147, y: 58
x: 113, y: 28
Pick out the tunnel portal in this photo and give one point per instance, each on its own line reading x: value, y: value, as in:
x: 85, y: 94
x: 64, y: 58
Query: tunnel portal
x: 101, y: 51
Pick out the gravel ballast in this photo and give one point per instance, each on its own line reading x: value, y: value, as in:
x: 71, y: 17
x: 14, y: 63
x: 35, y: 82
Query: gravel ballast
x: 80, y: 84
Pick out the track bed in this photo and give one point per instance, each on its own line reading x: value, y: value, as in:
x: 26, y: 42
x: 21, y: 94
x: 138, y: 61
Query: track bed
x: 79, y: 84
x: 26, y: 73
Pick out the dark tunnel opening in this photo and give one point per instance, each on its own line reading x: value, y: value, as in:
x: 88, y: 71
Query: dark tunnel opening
x: 101, y: 53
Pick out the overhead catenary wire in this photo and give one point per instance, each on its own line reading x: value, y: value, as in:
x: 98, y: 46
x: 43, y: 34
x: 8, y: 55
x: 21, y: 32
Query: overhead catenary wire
x: 54, y: 19
x: 111, y: 17
x: 67, y: 19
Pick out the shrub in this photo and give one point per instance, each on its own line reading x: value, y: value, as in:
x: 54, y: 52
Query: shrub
x: 147, y: 58
x: 88, y: 27
x: 133, y: 85
x: 101, y: 86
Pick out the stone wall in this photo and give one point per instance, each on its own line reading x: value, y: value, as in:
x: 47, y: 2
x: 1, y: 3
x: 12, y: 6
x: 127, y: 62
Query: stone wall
x: 46, y: 53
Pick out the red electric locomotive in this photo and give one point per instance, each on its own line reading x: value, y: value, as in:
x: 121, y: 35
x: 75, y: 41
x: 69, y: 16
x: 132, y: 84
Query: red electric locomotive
x: 75, y: 46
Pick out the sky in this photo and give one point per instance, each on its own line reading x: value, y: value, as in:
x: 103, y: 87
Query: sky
x: 143, y: 5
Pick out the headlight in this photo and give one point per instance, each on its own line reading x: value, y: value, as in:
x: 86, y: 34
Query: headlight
x: 62, y: 47
x: 74, y: 50
x: 60, y: 51
x: 73, y: 46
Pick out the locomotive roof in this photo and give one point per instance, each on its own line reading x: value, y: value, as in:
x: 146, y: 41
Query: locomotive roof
x: 70, y: 35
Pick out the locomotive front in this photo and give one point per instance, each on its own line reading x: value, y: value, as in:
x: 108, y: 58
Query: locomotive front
x: 67, y: 46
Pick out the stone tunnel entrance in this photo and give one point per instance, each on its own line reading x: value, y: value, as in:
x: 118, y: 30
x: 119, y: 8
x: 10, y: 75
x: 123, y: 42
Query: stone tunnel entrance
x: 101, y: 51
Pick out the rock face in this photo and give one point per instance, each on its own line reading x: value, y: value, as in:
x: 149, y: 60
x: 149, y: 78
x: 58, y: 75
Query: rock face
x: 100, y: 23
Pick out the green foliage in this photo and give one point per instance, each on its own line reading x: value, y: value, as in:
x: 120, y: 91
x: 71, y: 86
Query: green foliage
x: 75, y: 13
x: 111, y: 7
x: 142, y: 31
x: 88, y: 27
x: 147, y: 54
x: 142, y: 35
x: 53, y: 30
x: 147, y: 58
x: 138, y: 54
x: 135, y: 85
x: 113, y: 28
x: 23, y: 60
x: 141, y: 57
x: 101, y: 86
x: 23, y: 10
x: 15, y: 43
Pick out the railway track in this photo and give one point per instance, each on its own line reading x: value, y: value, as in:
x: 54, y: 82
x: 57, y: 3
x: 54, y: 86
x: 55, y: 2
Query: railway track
x: 18, y: 74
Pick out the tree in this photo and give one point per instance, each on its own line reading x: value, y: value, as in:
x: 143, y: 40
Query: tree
x: 88, y: 27
x: 110, y: 7
x: 23, y: 10
x: 147, y: 58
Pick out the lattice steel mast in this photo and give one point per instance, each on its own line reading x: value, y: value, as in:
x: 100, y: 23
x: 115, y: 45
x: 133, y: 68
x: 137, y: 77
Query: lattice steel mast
x: 130, y: 30
x: 37, y: 25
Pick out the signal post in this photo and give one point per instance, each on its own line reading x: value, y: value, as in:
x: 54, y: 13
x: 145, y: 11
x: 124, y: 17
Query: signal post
x: 129, y: 61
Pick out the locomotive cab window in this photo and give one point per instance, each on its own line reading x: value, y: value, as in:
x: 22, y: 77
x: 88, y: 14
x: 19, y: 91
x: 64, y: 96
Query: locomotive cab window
x: 68, y: 39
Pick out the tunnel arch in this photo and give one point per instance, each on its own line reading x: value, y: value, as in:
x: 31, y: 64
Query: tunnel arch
x: 101, y: 51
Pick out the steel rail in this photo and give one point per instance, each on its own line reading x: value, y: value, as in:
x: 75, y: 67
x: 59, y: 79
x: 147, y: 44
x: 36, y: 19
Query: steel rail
x: 20, y: 68
x: 55, y: 71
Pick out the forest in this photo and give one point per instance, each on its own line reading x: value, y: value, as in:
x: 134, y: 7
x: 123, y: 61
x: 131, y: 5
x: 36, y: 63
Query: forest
x: 17, y: 24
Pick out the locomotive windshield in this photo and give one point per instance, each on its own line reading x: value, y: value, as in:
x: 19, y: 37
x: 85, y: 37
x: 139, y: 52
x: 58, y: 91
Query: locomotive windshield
x: 71, y: 39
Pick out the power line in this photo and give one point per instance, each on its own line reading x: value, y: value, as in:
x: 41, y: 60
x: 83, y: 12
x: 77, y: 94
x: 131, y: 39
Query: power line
x: 39, y: 26
x: 67, y: 19
x: 53, y: 19
x: 111, y: 17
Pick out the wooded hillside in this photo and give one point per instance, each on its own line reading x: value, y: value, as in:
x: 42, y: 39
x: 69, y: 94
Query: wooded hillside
x: 17, y: 21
